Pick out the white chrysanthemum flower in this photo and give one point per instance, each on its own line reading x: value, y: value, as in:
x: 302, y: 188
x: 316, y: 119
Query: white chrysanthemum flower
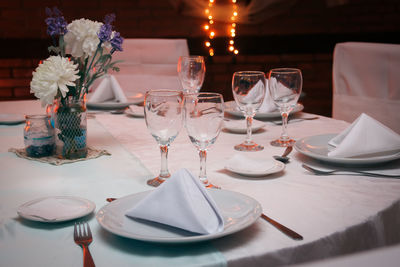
x: 54, y: 73
x: 81, y: 38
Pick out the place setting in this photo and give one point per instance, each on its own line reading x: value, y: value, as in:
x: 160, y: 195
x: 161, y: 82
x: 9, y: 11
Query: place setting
x: 109, y: 95
x: 180, y: 210
x: 366, y: 147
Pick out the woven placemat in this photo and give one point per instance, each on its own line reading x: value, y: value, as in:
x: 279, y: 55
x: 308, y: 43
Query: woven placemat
x: 92, y: 154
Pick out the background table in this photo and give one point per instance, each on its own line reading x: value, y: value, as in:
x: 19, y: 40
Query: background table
x: 335, y: 214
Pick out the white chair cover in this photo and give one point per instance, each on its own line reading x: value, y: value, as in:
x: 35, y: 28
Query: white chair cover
x: 149, y: 64
x: 366, y: 78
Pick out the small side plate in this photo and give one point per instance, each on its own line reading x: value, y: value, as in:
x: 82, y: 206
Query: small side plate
x: 253, y: 167
x: 11, y: 119
x: 56, y: 209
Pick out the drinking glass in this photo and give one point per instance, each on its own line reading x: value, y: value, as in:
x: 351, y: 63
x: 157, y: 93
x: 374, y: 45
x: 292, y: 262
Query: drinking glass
x: 191, y: 71
x: 249, y: 91
x: 163, y: 112
x: 285, y: 86
x: 204, y: 114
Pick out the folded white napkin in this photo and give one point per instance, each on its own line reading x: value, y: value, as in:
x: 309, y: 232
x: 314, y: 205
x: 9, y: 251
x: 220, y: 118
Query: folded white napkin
x: 255, y: 94
x: 364, y: 136
x: 268, y: 104
x: 183, y: 202
x: 108, y: 90
x: 52, y: 208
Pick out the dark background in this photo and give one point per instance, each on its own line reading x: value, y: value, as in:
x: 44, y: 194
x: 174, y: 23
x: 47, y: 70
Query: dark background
x: 303, y: 36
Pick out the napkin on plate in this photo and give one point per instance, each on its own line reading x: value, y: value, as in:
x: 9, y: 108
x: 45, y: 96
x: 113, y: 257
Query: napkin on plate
x: 108, y: 90
x: 268, y: 104
x: 365, y: 136
x: 51, y: 209
x: 183, y: 202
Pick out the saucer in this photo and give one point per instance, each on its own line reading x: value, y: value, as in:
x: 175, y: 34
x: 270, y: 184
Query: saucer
x: 253, y: 167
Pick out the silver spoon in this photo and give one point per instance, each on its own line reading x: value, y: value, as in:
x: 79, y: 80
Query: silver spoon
x: 284, y: 157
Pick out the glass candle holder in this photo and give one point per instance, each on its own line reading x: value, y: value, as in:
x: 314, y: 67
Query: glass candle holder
x: 38, y: 136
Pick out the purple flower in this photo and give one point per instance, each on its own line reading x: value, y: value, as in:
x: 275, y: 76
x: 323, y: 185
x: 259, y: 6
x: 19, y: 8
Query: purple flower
x: 56, y: 24
x: 109, y: 18
x: 116, y: 42
x: 105, y: 32
x: 106, y: 29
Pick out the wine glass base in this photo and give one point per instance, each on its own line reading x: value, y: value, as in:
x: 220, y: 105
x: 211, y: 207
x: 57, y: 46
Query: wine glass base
x: 212, y: 186
x: 249, y: 147
x: 155, y: 181
x: 283, y: 143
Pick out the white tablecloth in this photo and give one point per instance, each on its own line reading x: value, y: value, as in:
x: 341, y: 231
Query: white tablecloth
x: 335, y: 214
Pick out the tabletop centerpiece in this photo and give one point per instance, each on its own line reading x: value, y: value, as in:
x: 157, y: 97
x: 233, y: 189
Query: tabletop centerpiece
x: 81, y: 52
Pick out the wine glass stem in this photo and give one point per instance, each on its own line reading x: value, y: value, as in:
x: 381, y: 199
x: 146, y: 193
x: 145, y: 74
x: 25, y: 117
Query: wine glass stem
x: 164, y: 173
x: 249, y: 121
x: 284, y: 135
x: 203, y: 172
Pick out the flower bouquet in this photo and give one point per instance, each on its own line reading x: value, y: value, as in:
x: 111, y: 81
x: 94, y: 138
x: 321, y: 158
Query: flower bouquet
x: 81, y: 52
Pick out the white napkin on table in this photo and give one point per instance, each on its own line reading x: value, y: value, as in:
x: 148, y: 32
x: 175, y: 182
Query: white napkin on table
x: 183, y: 202
x: 108, y: 90
x: 364, y: 136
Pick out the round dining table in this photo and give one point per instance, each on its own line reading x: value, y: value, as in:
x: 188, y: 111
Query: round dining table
x: 336, y: 214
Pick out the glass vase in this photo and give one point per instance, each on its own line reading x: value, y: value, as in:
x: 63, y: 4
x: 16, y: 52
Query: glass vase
x: 38, y: 136
x: 70, y: 121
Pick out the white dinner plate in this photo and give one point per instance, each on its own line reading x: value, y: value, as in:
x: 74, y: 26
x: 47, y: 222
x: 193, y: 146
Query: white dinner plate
x: 239, y: 211
x: 11, y: 119
x: 135, y: 111
x: 253, y: 167
x: 56, y: 209
x: 240, y: 126
x: 138, y: 98
x: 317, y: 147
x: 232, y: 109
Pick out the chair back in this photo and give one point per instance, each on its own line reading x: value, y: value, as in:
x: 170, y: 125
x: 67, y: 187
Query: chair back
x: 149, y: 64
x: 366, y: 79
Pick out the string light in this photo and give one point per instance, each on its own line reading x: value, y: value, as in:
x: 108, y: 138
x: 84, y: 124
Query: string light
x: 232, y: 31
x: 209, y: 27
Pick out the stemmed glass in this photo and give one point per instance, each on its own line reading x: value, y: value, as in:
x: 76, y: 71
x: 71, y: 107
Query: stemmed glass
x: 204, y: 114
x: 285, y: 86
x: 163, y: 112
x: 191, y: 71
x: 249, y: 91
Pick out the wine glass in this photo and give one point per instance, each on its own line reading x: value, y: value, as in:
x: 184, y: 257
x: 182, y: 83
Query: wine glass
x: 204, y: 114
x: 191, y: 71
x: 285, y: 86
x: 163, y: 112
x: 249, y: 91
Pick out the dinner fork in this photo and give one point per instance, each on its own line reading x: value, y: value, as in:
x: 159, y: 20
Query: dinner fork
x: 332, y: 172
x: 83, y: 238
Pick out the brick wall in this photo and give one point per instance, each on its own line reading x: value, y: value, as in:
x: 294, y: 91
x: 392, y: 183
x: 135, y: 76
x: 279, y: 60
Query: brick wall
x: 303, y: 36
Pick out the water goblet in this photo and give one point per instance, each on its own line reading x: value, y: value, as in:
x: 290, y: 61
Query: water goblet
x: 285, y: 86
x: 204, y: 114
x: 191, y: 71
x: 163, y: 112
x: 248, y: 91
